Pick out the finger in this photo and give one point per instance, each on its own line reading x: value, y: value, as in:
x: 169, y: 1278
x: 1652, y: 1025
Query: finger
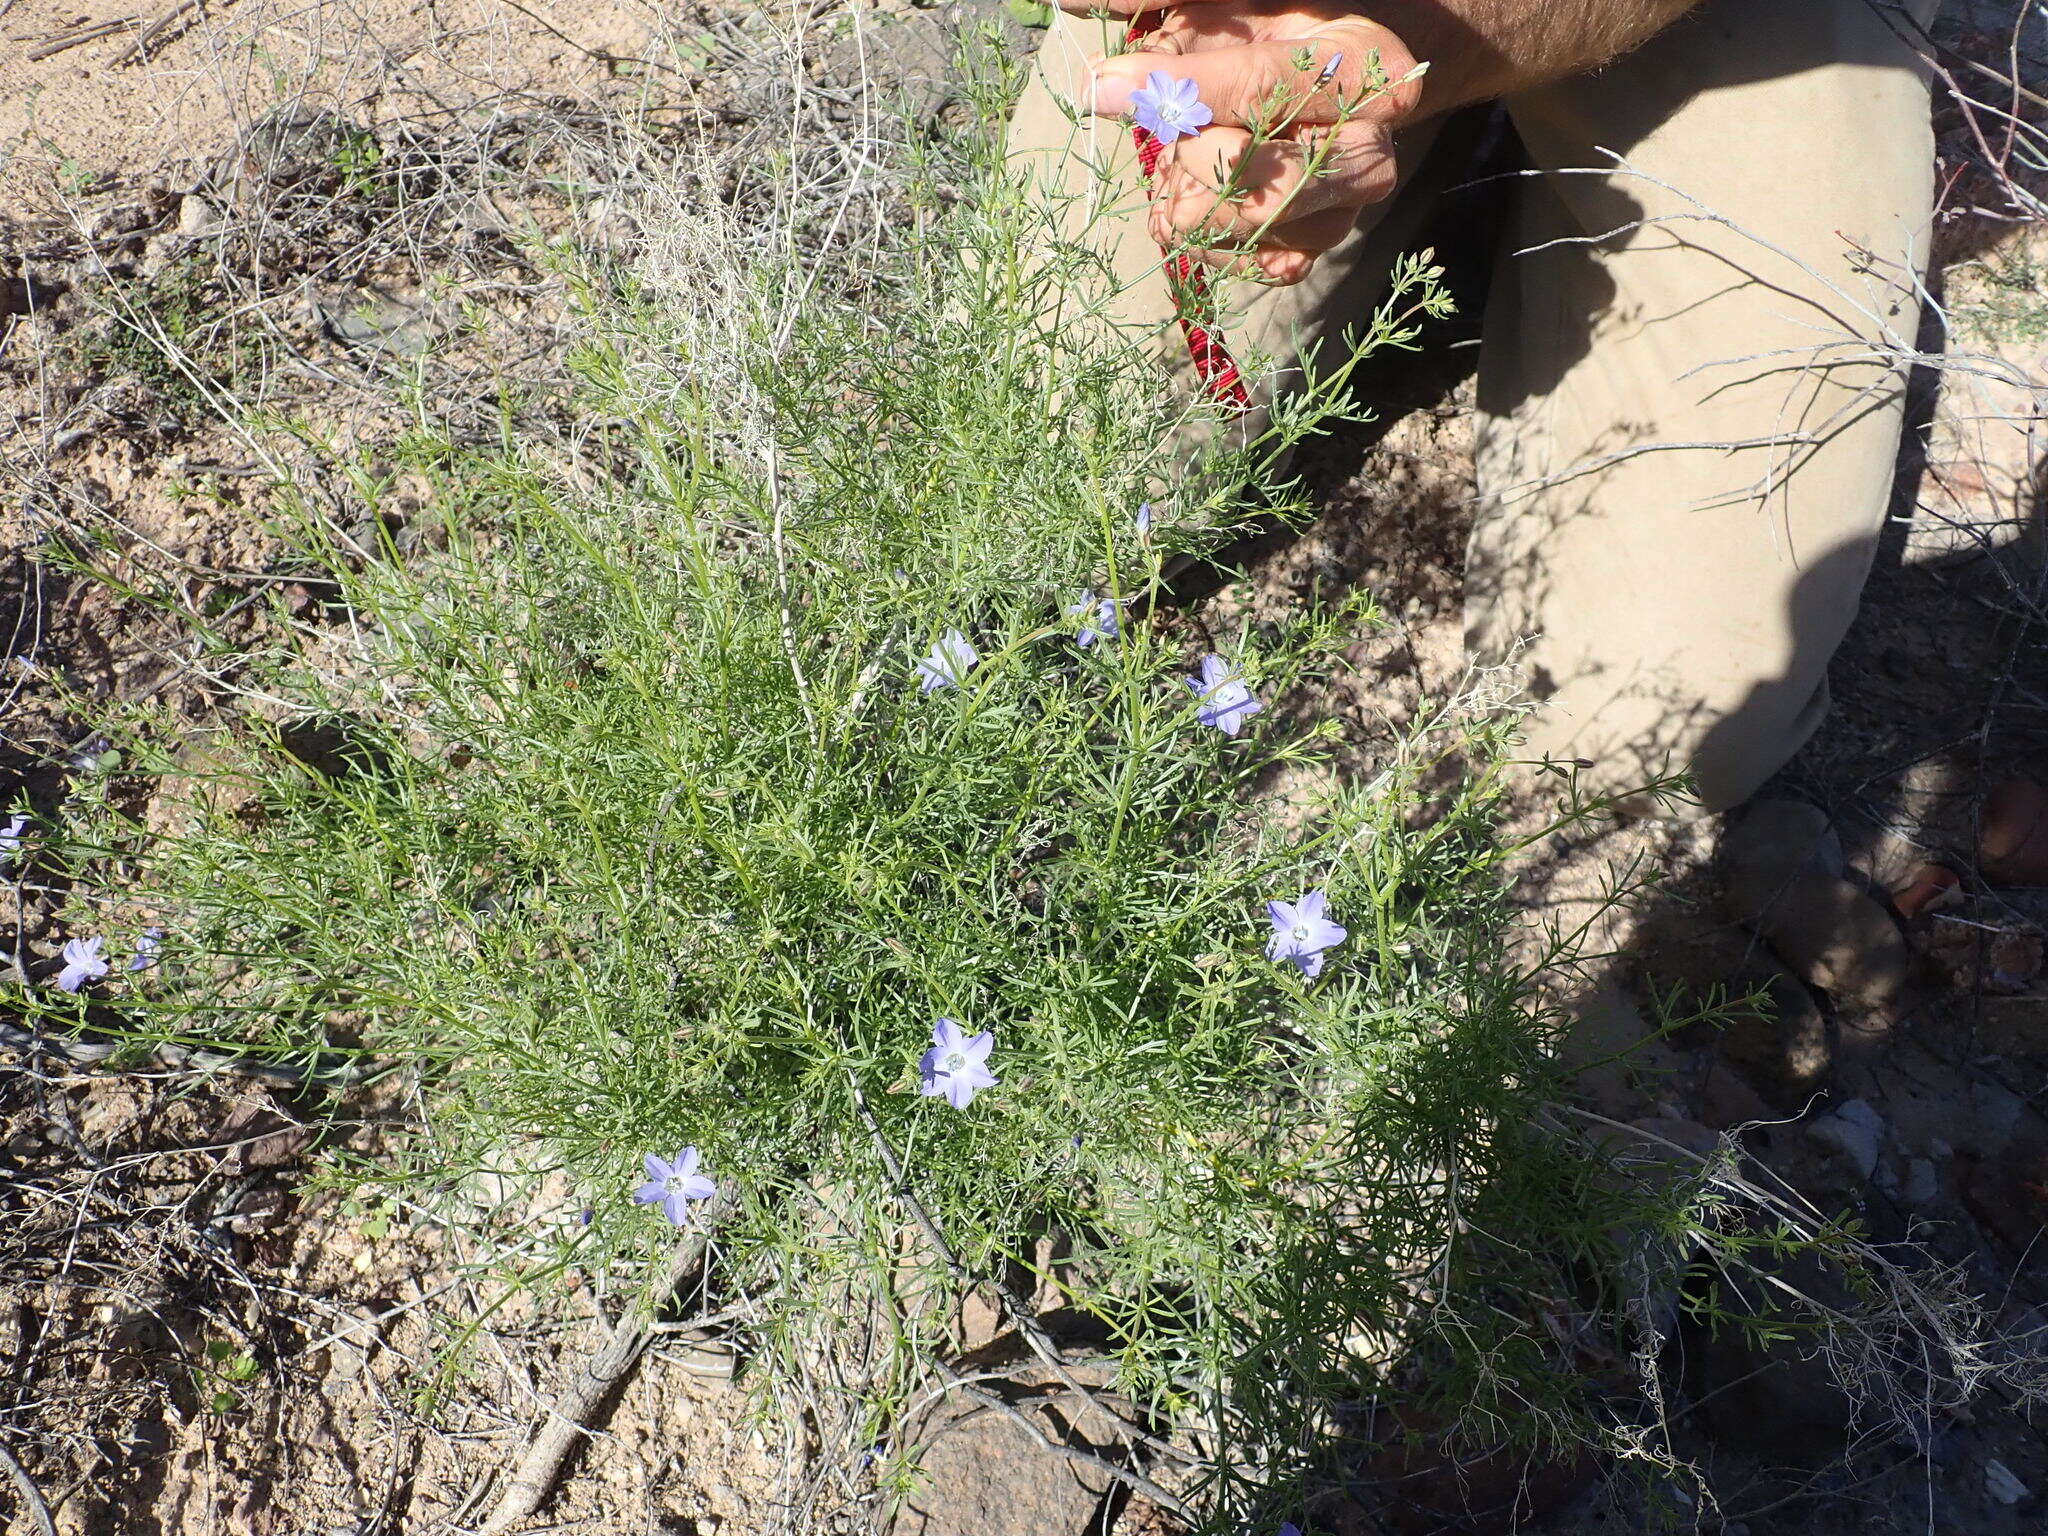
x: 1120, y: 7
x: 1316, y: 234
x: 1352, y: 69
x: 1115, y: 7
x: 1223, y: 188
x: 1271, y: 268
x: 1286, y: 254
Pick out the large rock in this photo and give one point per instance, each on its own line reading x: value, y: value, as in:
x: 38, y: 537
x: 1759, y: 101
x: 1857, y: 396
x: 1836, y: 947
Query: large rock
x: 1777, y: 1396
x: 2013, y: 1026
x: 1781, y: 874
x: 1769, y: 846
x: 984, y: 1474
x: 1840, y: 940
x: 1726, y: 1100
x: 1781, y: 1047
x: 2008, y: 1195
x: 2014, y: 847
x: 1427, y: 1484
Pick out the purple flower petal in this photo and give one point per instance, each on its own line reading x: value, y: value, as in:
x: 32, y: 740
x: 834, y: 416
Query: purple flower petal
x: 673, y: 1185
x: 1225, y: 702
x: 1301, y: 933
x: 10, y: 839
x: 949, y: 663
x: 82, y: 963
x: 1099, y: 618
x: 147, y: 943
x: 954, y: 1068
x: 1169, y: 108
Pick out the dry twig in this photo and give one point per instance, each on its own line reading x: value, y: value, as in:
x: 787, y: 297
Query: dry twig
x: 31, y: 1496
x: 592, y: 1381
x: 63, y: 42
x: 139, y: 49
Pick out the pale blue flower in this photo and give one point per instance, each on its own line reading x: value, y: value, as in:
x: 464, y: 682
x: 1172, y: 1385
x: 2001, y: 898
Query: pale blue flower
x: 949, y: 663
x: 10, y: 839
x: 1099, y: 619
x: 956, y: 1067
x: 82, y: 963
x: 1144, y: 519
x: 1288, y: 1527
x: 673, y: 1185
x: 1225, y: 701
x: 147, y: 943
x: 1302, y: 930
x: 1168, y: 108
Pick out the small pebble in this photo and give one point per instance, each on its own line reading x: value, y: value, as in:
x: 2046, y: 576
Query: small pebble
x: 1854, y: 1133
x: 2000, y: 1483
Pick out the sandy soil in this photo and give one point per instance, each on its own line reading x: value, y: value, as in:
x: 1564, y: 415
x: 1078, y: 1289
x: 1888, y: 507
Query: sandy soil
x: 98, y: 110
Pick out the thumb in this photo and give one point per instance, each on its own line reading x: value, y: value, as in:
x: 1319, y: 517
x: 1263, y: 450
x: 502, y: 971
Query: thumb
x: 1352, y: 70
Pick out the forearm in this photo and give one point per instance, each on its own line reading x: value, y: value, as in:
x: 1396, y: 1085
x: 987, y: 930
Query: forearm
x: 1480, y: 49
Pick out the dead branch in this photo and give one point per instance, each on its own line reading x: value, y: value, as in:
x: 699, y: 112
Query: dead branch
x: 65, y: 41
x: 593, y: 1380
x: 139, y: 49
x: 31, y: 1496
x: 91, y: 1053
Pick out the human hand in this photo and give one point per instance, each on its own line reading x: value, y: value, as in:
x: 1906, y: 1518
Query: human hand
x: 1305, y: 96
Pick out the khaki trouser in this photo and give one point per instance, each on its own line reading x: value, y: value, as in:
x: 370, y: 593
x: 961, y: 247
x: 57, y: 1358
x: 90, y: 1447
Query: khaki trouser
x: 1691, y: 384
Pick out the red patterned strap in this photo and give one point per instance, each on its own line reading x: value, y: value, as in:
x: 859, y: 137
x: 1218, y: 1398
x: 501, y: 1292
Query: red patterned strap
x: 1192, y: 301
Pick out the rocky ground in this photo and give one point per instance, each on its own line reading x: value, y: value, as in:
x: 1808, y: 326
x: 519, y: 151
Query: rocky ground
x: 212, y: 1330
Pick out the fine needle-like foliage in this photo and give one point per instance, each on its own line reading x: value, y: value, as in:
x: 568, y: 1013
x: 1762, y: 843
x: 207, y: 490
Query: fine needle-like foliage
x: 784, y: 772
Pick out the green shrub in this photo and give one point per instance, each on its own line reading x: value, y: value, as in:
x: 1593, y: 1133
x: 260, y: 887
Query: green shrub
x: 612, y: 814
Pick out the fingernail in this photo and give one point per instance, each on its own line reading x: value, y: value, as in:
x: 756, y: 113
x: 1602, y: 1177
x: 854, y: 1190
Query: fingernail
x: 1111, y: 95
